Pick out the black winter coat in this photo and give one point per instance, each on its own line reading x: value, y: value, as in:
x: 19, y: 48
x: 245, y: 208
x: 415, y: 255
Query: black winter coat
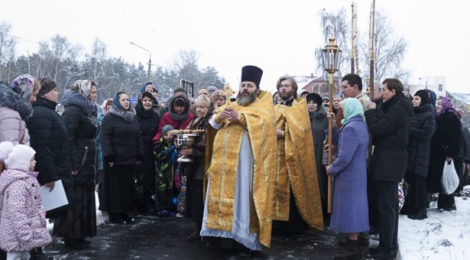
x: 120, y: 138
x: 466, y: 144
x: 390, y: 129
x: 422, y: 129
x: 82, y: 125
x: 49, y: 138
x: 148, y: 125
x: 446, y: 142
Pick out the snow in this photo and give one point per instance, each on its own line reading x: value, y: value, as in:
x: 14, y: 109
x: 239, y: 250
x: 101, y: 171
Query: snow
x: 443, y: 235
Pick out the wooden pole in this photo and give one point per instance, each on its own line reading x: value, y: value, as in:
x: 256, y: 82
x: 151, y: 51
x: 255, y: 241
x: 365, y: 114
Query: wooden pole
x: 352, y: 39
x: 330, y: 129
x: 371, y: 50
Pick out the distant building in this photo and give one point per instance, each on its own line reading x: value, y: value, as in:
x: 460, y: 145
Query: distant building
x: 434, y: 83
x: 318, y: 84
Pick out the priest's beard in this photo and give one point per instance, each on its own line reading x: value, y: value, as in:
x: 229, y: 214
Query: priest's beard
x: 287, y: 96
x: 245, y: 101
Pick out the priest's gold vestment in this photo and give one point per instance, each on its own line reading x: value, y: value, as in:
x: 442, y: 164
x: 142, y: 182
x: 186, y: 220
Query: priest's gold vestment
x: 257, y: 120
x: 295, y: 165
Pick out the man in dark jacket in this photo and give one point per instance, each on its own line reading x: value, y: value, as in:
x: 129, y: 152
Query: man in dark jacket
x: 390, y: 128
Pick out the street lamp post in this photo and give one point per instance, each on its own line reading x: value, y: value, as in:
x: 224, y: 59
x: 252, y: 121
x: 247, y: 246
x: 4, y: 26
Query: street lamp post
x: 150, y: 58
x: 331, y: 56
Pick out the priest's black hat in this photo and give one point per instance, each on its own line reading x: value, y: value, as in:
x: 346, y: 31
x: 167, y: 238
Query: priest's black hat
x: 252, y: 74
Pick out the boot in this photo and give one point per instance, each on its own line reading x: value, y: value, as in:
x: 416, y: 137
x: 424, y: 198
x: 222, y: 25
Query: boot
x: 352, y: 252
x: 363, y: 240
x: 37, y: 254
x: 421, y: 214
x: 76, y: 244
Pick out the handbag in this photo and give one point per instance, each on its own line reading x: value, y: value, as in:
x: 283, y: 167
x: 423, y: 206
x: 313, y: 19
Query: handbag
x: 450, y: 180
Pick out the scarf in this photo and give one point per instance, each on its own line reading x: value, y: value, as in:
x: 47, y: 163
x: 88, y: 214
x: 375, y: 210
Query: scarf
x: 23, y: 85
x: 447, y: 106
x: 352, y: 108
x: 127, y: 115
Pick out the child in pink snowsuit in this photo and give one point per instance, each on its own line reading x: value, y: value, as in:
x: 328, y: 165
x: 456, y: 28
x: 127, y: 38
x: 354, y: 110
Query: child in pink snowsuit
x: 22, y: 218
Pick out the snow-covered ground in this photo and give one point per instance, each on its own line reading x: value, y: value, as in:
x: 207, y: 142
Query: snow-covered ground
x: 443, y: 235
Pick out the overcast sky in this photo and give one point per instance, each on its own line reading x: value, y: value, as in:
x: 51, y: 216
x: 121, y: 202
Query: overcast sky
x: 278, y: 36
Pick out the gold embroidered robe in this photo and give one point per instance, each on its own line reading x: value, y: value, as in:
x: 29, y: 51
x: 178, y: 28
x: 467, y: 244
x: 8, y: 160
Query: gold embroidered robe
x: 295, y: 165
x: 257, y: 120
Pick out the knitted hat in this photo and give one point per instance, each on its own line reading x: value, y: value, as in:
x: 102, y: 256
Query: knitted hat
x: 16, y: 156
x: 47, y: 85
x: 166, y: 129
x: 424, y: 95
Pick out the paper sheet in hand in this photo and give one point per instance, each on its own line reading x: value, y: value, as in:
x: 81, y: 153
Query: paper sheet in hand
x: 55, y: 198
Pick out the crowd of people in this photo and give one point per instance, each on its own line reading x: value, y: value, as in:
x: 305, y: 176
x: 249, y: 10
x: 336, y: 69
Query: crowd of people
x: 257, y: 164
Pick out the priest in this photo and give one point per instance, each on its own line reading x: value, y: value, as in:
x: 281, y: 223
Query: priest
x: 296, y: 194
x: 239, y: 193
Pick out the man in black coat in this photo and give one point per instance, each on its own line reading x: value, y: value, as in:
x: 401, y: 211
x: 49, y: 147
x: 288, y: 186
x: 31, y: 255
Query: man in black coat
x: 389, y: 127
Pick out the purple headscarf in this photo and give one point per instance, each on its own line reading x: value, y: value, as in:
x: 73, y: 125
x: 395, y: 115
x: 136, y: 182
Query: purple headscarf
x: 447, y: 106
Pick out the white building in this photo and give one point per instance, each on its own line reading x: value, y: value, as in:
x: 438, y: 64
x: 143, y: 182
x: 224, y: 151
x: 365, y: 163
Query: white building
x: 434, y: 83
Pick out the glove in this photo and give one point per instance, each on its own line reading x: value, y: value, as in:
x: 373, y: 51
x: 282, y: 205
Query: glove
x: 168, y: 151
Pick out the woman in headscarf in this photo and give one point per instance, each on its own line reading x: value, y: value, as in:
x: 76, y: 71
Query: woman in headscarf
x: 80, y: 117
x: 148, y: 122
x: 419, y: 151
x: 15, y: 107
x: 179, y: 115
x: 445, y: 147
x: 121, y: 144
x: 350, y: 211
x: 195, y: 171
x: 318, y: 125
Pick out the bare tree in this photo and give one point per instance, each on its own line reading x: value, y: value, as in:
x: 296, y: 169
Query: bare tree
x: 7, y: 50
x: 334, y: 24
x: 389, y: 52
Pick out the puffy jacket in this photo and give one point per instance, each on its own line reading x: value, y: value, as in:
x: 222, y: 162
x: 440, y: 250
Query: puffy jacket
x: 422, y: 128
x: 49, y: 138
x: 13, y: 110
x: 170, y: 117
x: 23, y: 222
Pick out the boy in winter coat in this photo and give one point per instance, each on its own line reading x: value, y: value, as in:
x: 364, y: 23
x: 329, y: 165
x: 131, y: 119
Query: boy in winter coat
x: 165, y: 154
x: 22, y: 220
